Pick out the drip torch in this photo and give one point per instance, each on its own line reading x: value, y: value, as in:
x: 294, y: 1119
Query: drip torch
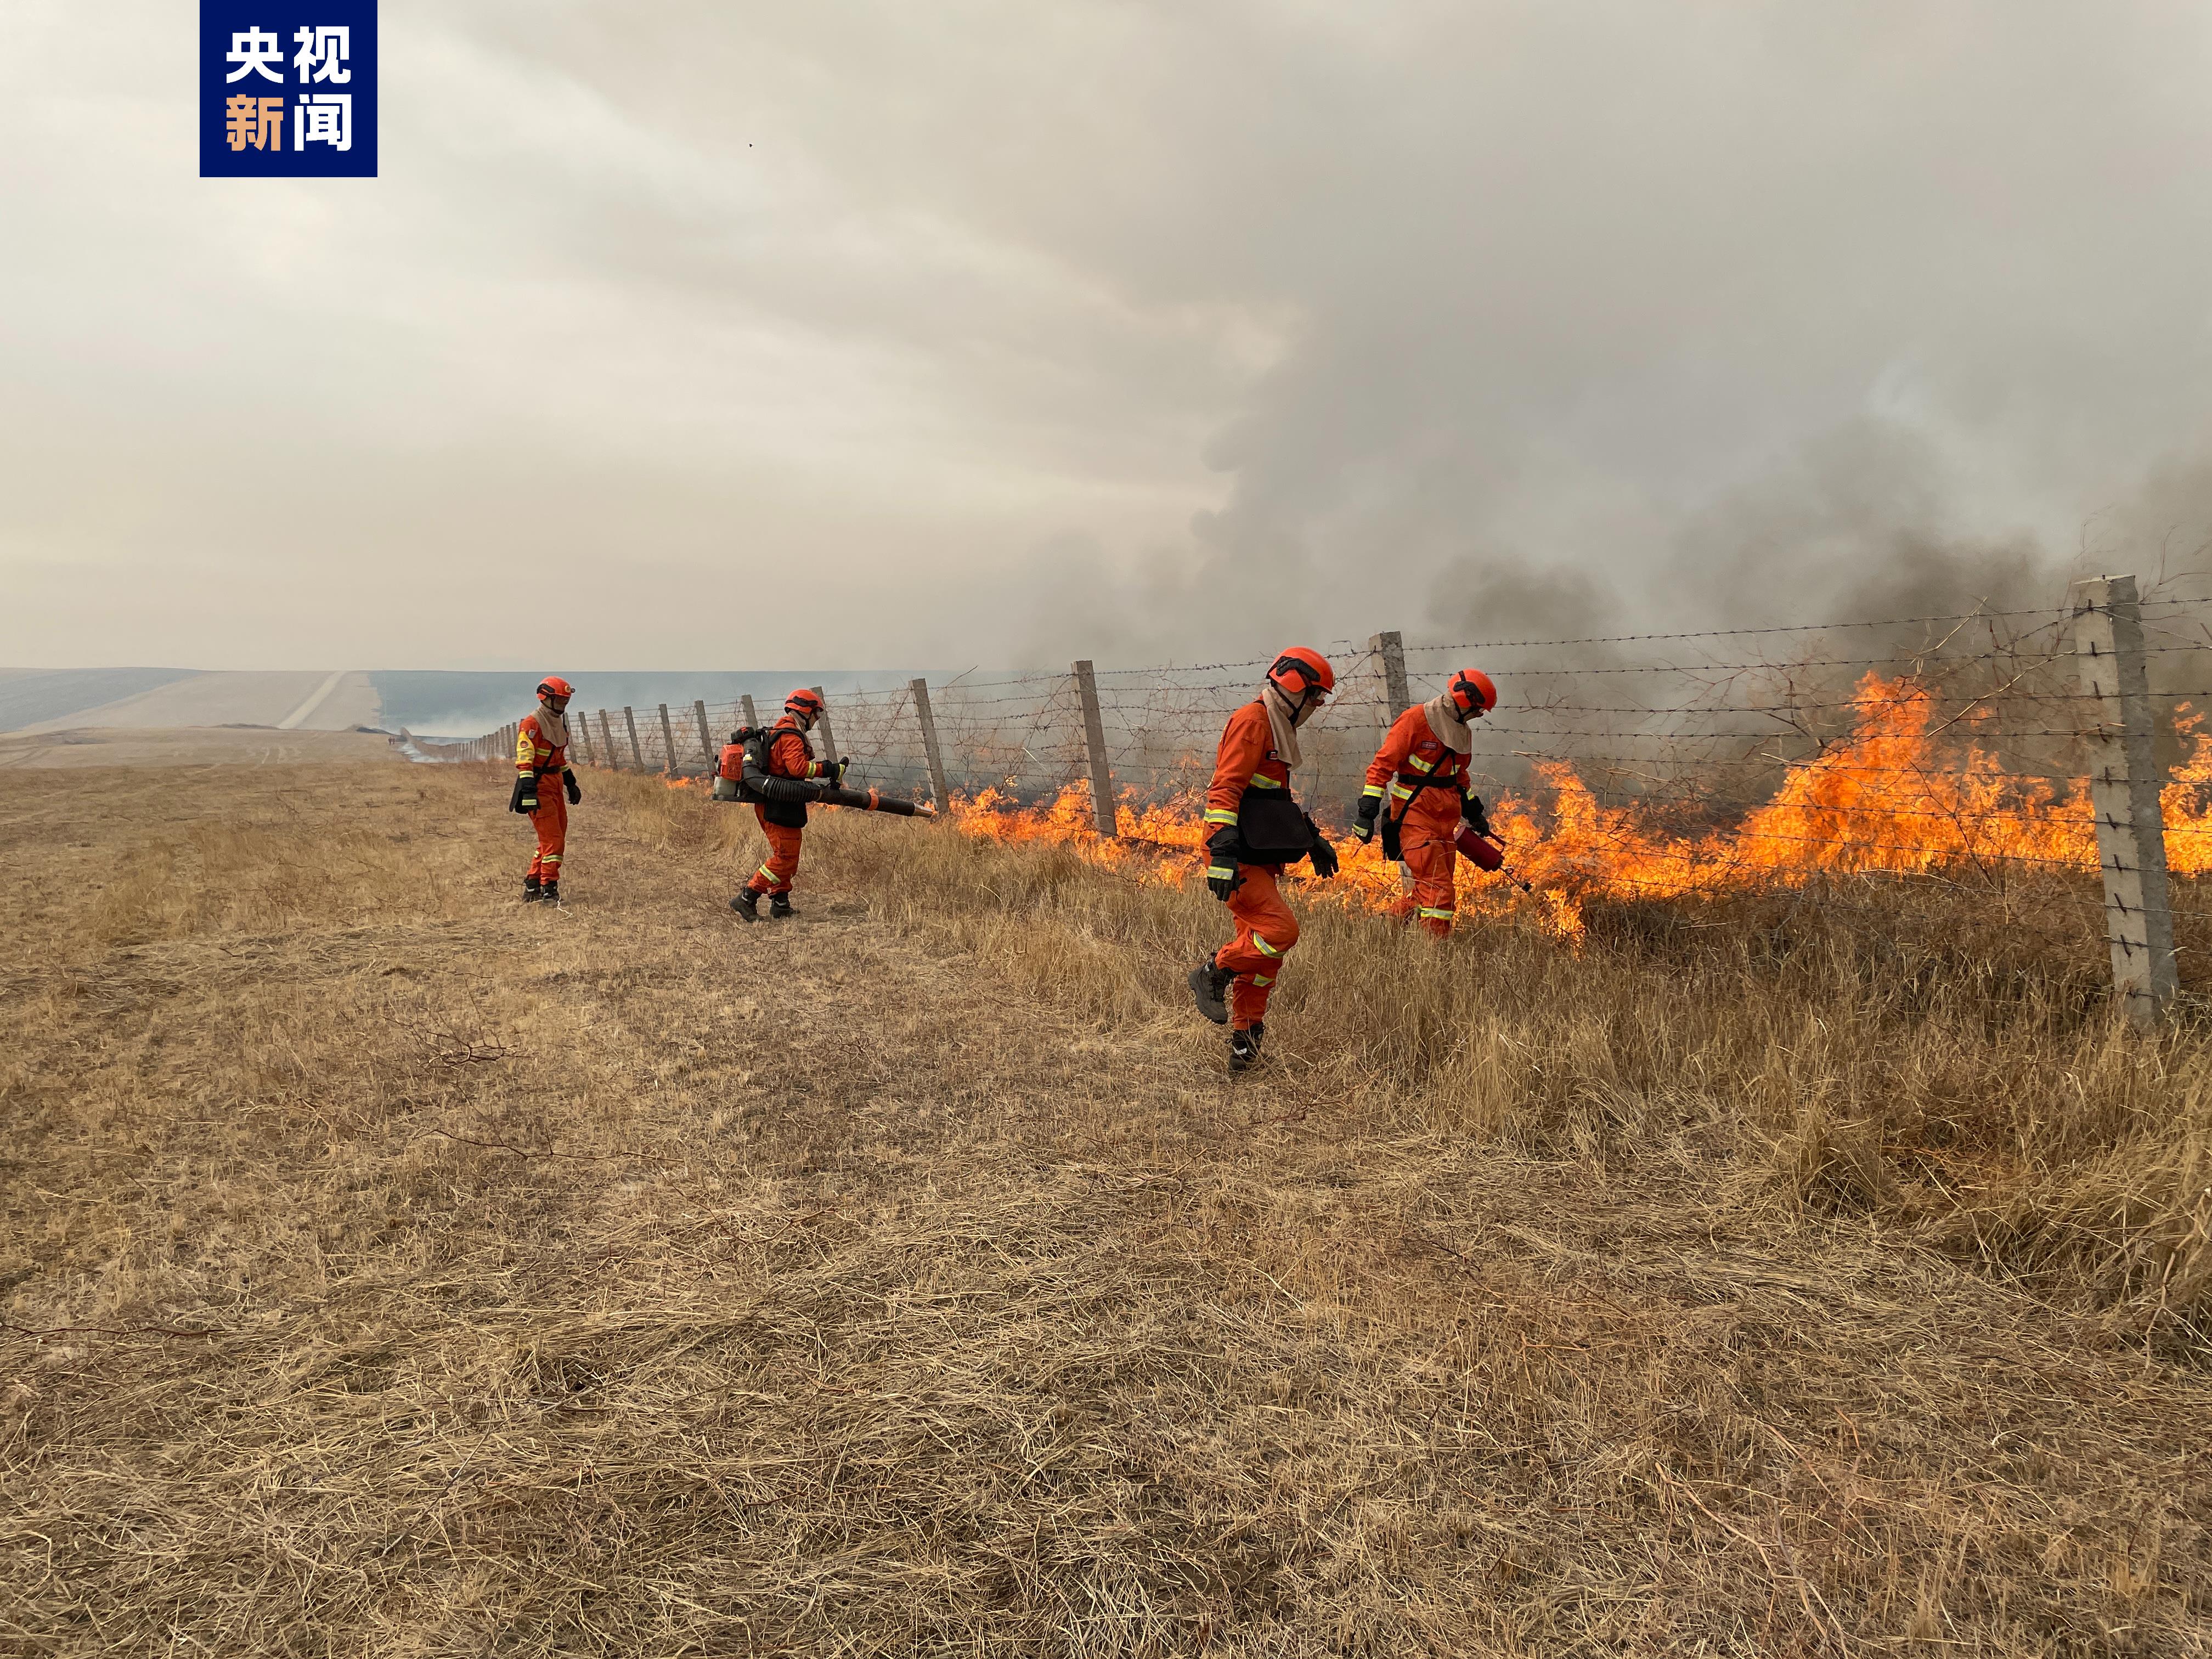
x: 1487, y: 855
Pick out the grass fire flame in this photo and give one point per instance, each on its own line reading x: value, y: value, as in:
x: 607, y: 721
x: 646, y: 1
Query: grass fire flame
x: 1902, y: 793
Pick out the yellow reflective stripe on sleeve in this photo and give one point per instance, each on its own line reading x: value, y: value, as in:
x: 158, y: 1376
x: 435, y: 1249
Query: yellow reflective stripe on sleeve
x: 1259, y: 979
x: 1220, y: 815
x: 1266, y: 949
x: 1259, y: 783
x: 1374, y: 789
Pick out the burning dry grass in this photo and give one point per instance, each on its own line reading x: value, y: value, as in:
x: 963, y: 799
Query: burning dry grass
x: 1797, y: 1272
x: 1908, y: 788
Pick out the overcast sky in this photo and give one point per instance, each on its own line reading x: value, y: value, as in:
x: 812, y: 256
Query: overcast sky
x: 733, y: 335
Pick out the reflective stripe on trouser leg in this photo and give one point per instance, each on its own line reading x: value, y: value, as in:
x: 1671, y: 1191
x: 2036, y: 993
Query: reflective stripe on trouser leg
x: 1265, y: 931
x: 550, y: 821
x: 1433, y: 862
x: 776, y: 871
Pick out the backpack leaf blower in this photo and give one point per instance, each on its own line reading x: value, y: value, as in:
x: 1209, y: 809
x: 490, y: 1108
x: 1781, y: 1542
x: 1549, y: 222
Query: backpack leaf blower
x: 743, y: 776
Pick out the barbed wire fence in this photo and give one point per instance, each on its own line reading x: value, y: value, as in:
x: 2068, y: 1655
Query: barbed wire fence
x: 1985, y: 748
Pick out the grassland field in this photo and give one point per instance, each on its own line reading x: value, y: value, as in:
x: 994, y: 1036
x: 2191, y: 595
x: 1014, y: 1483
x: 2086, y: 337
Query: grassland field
x: 391, y: 1268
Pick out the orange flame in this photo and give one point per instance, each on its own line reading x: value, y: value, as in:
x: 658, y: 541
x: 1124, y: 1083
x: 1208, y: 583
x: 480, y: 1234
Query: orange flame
x: 1887, y: 797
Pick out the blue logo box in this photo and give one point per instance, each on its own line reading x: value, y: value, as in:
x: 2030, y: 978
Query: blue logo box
x: 288, y: 88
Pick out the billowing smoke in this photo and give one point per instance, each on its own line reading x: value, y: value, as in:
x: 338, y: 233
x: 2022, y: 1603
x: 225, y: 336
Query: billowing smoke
x: 1123, y: 330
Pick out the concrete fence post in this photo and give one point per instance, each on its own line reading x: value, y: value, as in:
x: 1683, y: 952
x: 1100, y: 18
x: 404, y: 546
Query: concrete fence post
x: 629, y: 721
x: 705, y: 735
x: 745, y: 699
x: 607, y: 738
x: 667, y: 741
x: 1094, y: 743
x: 822, y: 724
x: 1388, y: 651
x: 584, y: 738
x: 2124, y: 789
x: 930, y: 752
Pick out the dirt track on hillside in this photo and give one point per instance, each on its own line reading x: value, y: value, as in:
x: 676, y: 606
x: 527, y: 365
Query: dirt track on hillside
x: 81, y: 747
x: 316, y: 701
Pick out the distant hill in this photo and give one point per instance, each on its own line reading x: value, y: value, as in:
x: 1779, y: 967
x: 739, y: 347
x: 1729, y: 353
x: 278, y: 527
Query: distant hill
x: 438, y: 704
x: 29, y: 695
x: 435, y: 702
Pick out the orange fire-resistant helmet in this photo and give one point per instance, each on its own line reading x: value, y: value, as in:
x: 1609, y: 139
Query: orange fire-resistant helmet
x: 553, y: 686
x: 1472, y: 693
x: 803, y: 704
x: 1299, y: 670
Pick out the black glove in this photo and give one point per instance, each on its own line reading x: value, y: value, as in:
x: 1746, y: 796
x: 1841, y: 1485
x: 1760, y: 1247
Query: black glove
x: 1322, y: 857
x: 833, y: 771
x: 524, y: 798
x: 569, y: 782
x: 1223, y: 849
x: 1470, y: 808
x: 1369, y: 808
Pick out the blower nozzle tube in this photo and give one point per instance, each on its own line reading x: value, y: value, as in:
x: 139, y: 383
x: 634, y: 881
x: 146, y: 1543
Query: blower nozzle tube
x: 872, y: 799
x: 811, y: 792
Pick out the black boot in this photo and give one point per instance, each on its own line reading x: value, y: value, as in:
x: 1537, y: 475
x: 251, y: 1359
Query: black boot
x: 551, y: 893
x: 531, y: 890
x: 1210, y: 985
x: 1244, y: 1047
x: 746, y: 904
x: 778, y: 905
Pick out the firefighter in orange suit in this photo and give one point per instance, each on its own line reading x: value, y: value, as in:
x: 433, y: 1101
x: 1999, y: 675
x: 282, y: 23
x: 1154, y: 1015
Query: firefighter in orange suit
x: 1417, y: 784
x: 785, y: 754
x: 1253, y: 828
x: 541, y: 751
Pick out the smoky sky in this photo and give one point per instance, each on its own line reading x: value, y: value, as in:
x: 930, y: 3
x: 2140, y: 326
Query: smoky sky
x: 733, y: 336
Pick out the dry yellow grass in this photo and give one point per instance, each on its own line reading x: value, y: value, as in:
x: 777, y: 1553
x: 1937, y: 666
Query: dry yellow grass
x: 391, y: 1269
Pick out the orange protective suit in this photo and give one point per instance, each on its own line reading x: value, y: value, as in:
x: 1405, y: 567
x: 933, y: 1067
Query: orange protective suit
x: 1423, y: 784
x: 1266, y: 929
x: 782, y: 861
x: 533, y: 753
x: 788, y: 757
